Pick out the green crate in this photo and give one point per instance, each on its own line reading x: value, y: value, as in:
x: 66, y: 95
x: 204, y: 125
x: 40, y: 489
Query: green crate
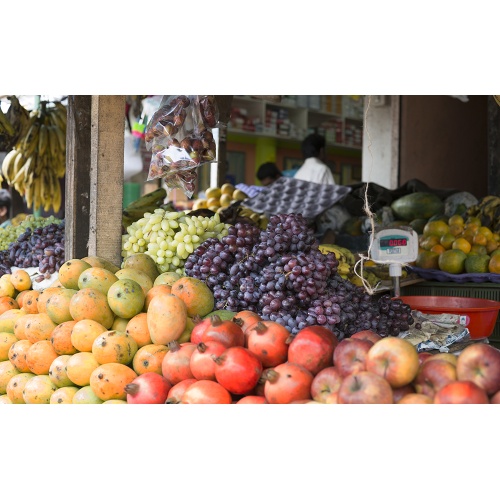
x: 489, y: 291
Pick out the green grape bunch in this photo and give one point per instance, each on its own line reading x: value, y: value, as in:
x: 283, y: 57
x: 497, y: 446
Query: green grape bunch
x: 10, y: 234
x: 170, y: 237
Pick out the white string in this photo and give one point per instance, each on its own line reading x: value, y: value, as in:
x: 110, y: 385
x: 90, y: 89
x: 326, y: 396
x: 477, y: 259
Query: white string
x: 366, y: 207
x: 370, y: 290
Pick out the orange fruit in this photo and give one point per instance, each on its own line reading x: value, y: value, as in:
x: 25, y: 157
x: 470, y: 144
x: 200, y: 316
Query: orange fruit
x: 427, y: 259
x: 486, y: 231
x: 438, y: 249
x: 494, y: 264
x: 452, y: 261
x: 456, y: 229
x: 479, y: 239
x: 461, y: 244
x: 491, y: 246
x: 427, y: 242
x: 473, y: 220
x: 477, y: 263
x: 456, y: 219
x: 447, y: 240
x: 495, y: 237
x: 478, y: 250
x: 436, y: 227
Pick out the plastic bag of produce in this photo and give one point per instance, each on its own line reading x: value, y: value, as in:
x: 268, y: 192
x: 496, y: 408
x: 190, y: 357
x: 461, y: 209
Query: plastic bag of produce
x: 180, y: 138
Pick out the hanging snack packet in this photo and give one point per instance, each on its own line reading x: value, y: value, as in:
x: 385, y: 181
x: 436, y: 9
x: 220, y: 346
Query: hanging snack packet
x: 180, y: 139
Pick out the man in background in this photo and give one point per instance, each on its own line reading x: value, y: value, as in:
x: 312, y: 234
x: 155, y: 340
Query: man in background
x: 314, y: 168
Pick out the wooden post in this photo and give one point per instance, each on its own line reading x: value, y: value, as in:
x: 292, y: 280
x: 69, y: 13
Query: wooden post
x: 106, y: 176
x: 77, y: 190
x: 493, y: 147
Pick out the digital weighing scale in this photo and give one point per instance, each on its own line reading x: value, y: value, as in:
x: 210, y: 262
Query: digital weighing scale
x: 395, y: 247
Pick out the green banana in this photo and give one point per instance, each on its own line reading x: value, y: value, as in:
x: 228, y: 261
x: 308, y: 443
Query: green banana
x: 148, y: 200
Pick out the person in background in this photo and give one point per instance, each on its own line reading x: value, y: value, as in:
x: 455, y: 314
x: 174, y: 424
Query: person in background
x: 314, y: 169
x: 268, y: 173
x: 5, y: 203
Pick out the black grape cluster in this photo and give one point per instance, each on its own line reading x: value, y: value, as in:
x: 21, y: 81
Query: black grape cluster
x: 280, y: 274
x: 42, y: 247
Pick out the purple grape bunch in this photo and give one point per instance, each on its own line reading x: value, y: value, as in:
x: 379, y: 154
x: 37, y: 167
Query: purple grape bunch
x: 42, y: 247
x: 280, y: 274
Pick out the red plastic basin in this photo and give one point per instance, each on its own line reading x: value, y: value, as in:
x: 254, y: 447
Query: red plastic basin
x: 482, y: 313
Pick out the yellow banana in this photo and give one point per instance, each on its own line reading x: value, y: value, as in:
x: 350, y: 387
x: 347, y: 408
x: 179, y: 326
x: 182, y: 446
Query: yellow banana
x: 8, y: 164
x: 53, y: 141
x: 61, y: 137
x: 28, y: 194
x: 62, y: 112
x: 57, y: 200
x: 42, y: 139
x: 19, y: 178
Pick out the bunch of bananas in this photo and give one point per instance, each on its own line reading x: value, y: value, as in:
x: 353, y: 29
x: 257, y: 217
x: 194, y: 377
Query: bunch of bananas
x: 148, y: 202
x: 347, y: 261
x: 38, y: 160
x: 259, y: 220
x: 488, y: 212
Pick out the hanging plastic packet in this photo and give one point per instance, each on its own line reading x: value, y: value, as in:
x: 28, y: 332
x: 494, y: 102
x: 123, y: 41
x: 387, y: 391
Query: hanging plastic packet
x: 180, y: 138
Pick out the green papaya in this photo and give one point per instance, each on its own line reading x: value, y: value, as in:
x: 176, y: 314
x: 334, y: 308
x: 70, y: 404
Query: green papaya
x: 417, y: 205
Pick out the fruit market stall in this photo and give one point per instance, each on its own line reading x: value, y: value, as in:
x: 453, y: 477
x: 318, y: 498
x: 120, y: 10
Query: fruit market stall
x: 219, y: 304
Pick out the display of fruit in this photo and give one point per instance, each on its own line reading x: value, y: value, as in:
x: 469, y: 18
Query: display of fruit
x: 38, y: 160
x: 488, y: 212
x: 280, y: 274
x: 419, y: 205
x: 458, y: 245
x: 12, y: 124
x: 148, y: 202
x: 170, y: 237
x: 65, y: 352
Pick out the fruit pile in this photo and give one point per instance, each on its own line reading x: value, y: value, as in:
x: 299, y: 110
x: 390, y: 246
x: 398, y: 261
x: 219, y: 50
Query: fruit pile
x: 281, y: 274
x: 95, y: 331
x: 170, y: 237
x: 226, y: 202
x: 35, y: 242
x: 457, y: 245
x: 38, y: 160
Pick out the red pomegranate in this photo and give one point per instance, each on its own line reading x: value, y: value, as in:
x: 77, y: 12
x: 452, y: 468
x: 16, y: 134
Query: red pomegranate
x: 202, y: 363
x: 175, y: 364
x: 268, y: 340
x: 148, y: 388
x: 224, y: 331
x: 200, y: 325
x: 286, y: 383
x: 238, y: 370
x: 206, y: 392
x: 313, y: 348
x: 175, y: 394
x: 245, y: 320
x: 251, y: 400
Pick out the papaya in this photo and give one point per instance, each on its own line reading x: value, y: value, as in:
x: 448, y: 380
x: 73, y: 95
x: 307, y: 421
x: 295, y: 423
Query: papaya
x: 417, y: 205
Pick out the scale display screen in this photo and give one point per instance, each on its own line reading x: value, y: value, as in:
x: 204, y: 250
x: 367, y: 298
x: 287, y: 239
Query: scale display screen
x: 394, y: 245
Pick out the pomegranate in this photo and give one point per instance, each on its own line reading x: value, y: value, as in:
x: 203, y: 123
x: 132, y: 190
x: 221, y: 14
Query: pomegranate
x: 148, y: 388
x: 245, y: 320
x: 224, y: 331
x: 313, y: 348
x: 202, y: 364
x: 200, y: 325
x: 175, y: 394
x: 286, y: 383
x: 268, y: 340
x: 206, y: 392
x: 175, y: 364
x: 251, y: 400
x: 259, y: 388
x: 238, y: 370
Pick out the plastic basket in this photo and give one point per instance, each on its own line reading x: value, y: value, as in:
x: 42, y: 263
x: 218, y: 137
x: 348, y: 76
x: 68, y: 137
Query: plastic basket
x: 482, y: 314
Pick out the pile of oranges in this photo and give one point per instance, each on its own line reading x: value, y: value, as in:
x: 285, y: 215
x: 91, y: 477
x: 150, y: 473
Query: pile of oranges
x: 459, y: 245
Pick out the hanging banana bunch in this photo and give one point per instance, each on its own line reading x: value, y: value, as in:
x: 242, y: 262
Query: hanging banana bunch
x: 38, y: 160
